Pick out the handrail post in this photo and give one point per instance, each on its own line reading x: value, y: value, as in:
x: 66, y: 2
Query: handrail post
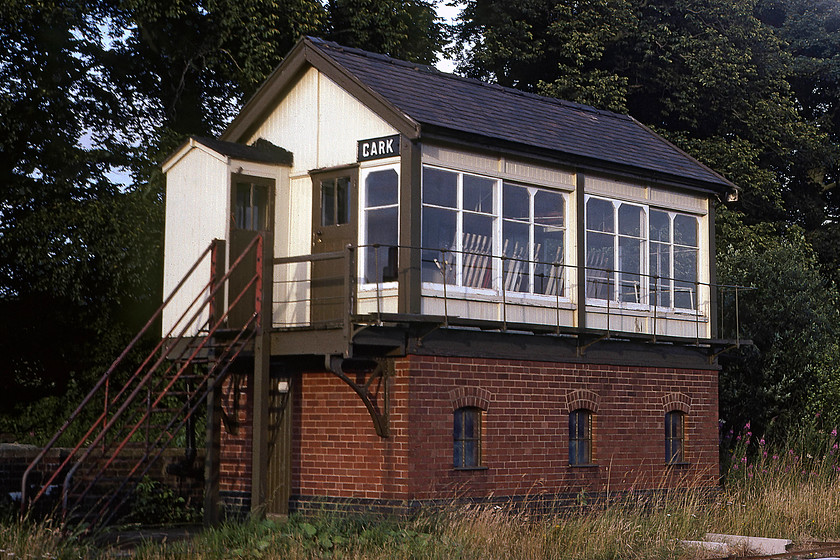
x: 504, y: 299
x: 378, y: 279
x: 697, y: 310
x: 656, y: 289
x: 348, y: 297
x: 443, y: 270
x: 556, y: 268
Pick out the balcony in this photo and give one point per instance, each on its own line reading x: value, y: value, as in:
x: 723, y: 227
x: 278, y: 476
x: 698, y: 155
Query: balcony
x: 348, y: 291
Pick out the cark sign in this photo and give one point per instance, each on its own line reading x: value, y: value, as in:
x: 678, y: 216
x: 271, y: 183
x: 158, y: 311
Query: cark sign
x: 377, y: 148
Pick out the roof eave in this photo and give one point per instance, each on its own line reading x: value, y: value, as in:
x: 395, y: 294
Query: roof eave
x: 720, y: 190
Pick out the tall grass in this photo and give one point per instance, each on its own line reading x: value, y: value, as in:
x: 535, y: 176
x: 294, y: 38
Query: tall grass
x: 790, y: 491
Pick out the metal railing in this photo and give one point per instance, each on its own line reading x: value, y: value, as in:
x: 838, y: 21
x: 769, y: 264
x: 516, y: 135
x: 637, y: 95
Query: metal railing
x: 512, y: 292
x: 158, y: 398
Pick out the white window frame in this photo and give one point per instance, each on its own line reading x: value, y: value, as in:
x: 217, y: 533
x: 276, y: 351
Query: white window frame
x: 495, y: 292
x: 646, y: 282
x: 361, y: 256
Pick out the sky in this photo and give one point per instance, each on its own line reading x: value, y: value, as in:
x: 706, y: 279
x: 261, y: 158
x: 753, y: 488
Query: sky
x: 448, y: 12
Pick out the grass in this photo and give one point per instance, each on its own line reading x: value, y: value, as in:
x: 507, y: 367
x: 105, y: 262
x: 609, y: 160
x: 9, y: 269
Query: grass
x: 790, y: 492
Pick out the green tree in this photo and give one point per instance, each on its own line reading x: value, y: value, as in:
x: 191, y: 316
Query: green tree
x: 404, y: 29
x: 791, y: 315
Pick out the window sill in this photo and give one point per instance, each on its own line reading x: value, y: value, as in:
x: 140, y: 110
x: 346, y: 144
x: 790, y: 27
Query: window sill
x: 681, y: 464
x: 586, y: 466
x: 479, y: 468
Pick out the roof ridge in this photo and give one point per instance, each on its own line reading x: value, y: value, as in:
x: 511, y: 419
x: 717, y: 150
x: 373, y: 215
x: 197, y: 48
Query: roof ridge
x: 448, y: 75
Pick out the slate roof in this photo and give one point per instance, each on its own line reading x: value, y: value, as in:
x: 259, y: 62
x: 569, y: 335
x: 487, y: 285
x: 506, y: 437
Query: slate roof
x: 446, y: 101
x: 261, y: 151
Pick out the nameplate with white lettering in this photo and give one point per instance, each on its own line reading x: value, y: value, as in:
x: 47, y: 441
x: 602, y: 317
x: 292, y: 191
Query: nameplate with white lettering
x: 377, y: 148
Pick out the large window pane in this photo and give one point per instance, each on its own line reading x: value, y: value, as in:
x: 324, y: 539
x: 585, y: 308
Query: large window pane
x: 515, y: 243
x: 599, y: 215
x: 516, y: 202
x: 630, y: 220
x: 685, y: 276
x: 599, y: 262
x: 580, y: 437
x: 477, y: 248
x: 549, y: 208
x: 660, y: 274
x: 466, y: 437
x: 381, y: 188
x: 630, y: 266
x: 439, y: 228
x: 685, y: 230
x: 549, y: 253
x: 478, y: 194
x: 381, y: 230
x: 660, y: 226
x: 440, y: 187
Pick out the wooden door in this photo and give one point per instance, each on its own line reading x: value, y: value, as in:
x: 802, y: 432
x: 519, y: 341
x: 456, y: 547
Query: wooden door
x: 251, y: 216
x: 334, y: 219
x: 278, y: 489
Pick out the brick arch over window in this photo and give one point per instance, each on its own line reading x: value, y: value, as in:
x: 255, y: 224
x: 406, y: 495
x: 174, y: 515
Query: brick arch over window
x: 470, y: 396
x: 676, y: 401
x: 583, y: 398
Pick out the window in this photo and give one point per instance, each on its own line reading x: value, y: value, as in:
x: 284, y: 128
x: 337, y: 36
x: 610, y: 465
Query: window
x: 639, y: 255
x: 466, y: 435
x: 533, y: 227
x: 458, y: 219
x: 335, y: 201
x: 580, y: 437
x: 380, y: 205
x: 467, y: 219
x: 673, y: 260
x: 250, y: 206
x: 674, y: 437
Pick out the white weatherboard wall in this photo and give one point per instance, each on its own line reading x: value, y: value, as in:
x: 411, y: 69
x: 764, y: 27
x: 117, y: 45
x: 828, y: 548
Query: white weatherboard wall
x: 320, y: 123
x: 197, y: 204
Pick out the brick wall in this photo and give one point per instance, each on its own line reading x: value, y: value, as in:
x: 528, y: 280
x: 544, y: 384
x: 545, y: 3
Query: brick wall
x: 338, y: 455
x: 526, y: 427
x: 236, y: 403
x: 336, y: 452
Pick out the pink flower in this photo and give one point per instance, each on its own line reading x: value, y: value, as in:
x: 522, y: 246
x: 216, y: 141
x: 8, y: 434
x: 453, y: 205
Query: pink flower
x: 761, y: 442
x: 834, y: 432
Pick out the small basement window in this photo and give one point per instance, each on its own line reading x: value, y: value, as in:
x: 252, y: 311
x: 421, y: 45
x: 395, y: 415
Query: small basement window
x: 466, y: 435
x: 674, y: 437
x: 580, y: 437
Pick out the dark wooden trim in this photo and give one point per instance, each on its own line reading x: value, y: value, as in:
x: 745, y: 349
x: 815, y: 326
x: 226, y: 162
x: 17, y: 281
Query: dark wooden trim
x: 559, y: 159
x: 410, y: 215
x: 262, y: 370
x: 211, y: 457
x: 713, y: 295
x: 580, y: 234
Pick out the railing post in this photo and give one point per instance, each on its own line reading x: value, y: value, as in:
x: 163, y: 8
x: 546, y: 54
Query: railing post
x: 349, y: 296
x: 378, y: 279
x: 656, y: 289
x: 697, y: 311
x: 504, y: 298
x: 443, y: 270
x: 556, y: 268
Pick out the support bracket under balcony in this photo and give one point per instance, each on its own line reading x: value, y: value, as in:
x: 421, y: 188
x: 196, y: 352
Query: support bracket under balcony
x: 370, y: 379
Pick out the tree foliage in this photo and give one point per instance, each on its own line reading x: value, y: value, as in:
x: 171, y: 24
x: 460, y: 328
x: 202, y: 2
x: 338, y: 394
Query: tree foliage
x: 749, y: 87
x: 93, y: 95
